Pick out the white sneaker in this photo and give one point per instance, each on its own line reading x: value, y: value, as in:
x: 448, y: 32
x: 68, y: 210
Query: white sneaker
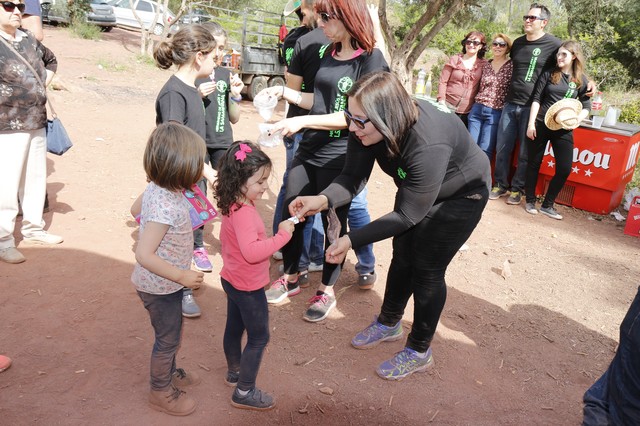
x: 11, y: 255
x: 43, y: 237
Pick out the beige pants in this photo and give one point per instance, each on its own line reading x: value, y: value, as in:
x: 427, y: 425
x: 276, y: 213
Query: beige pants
x: 23, y: 175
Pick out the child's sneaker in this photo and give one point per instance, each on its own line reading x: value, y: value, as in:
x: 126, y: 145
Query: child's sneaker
x: 376, y: 333
x: 321, y: 305
x: 232, y: 378
x: 181, y: 378
x: 172, y: 401
x: 201, y: 260
x: 5, y: 363
x: 190, y: 308
x: 254, y: 400
x: 281, y: 289
x: 404, y: 363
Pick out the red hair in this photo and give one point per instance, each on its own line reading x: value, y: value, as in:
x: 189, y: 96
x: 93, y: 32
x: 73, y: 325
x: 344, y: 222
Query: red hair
x: 355, y: 17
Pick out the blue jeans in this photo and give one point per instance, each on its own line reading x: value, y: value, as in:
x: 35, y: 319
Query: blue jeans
x: 313, y: 235
x: 358, y: 218
x: 246, y: 311
x: 512, y: 126
x: 421, y: 256
x: 615, y: 398
x: 165, y: 312
x: 483, y: 126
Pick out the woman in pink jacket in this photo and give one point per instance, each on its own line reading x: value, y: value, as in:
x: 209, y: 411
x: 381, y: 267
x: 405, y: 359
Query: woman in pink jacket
x: 460, y: 77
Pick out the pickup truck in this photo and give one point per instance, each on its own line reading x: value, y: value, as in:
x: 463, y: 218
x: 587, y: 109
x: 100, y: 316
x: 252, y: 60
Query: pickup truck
x: 254, y: 43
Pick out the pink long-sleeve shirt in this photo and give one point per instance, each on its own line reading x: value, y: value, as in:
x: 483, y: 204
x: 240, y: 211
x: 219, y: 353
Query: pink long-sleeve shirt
x: 459, y: 85
x: 246, y: 249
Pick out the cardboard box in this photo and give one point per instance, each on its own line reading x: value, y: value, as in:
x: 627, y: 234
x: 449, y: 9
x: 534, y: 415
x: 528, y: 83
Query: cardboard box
x: 633, y: 219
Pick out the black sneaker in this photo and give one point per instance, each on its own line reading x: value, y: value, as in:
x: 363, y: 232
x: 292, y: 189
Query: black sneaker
x: 254, y: 400
x: 497, y: 192
x: 232, y: 378
x: 320, y: 307
x: 514, y: 198
x: 551, y: 212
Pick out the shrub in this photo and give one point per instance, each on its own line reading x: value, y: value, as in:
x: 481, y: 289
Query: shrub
x: 86, y: 31
x: 630, y: 112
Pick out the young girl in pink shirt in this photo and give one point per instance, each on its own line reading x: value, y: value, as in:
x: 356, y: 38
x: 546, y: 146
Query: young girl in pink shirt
x: 242, y: 179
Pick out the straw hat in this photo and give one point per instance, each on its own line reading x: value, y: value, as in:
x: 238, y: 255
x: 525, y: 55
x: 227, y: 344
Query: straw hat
x: 291, y: 7
x: 563, y: 115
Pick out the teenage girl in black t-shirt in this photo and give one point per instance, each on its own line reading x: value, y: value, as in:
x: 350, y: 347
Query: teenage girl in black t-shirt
x: 566, y: 80
x: 322, y: 150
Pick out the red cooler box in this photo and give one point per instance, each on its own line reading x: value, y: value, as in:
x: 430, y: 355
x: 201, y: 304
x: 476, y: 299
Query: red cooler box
x: 603, y: 163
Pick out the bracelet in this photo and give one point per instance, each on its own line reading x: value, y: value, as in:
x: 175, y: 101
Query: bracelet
x: 238, y: 99
x: 299, y: 99
x: 282, y: 96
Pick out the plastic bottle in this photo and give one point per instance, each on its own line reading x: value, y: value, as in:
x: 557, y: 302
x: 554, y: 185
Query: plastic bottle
x: 420, y: 89
x: 596, y: 104
x: 428, y: 87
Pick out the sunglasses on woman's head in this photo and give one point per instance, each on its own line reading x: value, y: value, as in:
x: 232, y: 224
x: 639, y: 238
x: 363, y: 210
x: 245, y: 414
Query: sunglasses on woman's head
x: 325, y: 16
x: 11, y: 6
x: 359, y: 122
x: 499, y: 44
x: 472, y: 42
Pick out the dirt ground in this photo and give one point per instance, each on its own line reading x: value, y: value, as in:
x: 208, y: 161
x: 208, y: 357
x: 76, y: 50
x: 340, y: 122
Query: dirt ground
x: 515, y: 350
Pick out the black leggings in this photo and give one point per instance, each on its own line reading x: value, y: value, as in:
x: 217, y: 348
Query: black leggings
x: 562, y: 144
x: 305, y: 179
x: 246, y: 310
x: 421, y: 256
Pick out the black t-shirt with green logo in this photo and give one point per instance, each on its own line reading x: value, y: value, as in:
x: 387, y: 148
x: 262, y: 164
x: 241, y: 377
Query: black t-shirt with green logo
x: 216, y: 109
x: 334, y: 79
x: 438, y: 161
x: 530, y: 59
x: 304, y: 62
x: 547, y: 93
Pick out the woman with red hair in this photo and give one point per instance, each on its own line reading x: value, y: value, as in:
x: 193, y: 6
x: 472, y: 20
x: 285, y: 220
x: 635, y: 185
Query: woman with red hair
x: 322, y: 150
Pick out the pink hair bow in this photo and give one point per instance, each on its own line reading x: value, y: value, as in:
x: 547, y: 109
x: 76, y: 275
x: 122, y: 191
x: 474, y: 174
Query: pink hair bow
x: 241, y: 154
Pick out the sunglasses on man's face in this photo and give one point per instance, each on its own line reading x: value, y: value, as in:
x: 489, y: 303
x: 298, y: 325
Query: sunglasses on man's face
x: 532, y: 18
x: 473, y: 42
x: 499, y: 44
x: 359, y: 122
x: 325, y: 16
x: 11, y: 6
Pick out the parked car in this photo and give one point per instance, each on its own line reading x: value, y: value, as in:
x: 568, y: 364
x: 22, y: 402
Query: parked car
x: 196, y: 16
x: 146, y: 10
x: 57, y: 12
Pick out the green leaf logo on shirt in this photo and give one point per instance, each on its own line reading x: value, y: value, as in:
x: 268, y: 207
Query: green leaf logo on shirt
x: 221, y: 86
x: 288, y: 54
x: 401, y: 173
x: 345, y: 84
x: 536, y: 51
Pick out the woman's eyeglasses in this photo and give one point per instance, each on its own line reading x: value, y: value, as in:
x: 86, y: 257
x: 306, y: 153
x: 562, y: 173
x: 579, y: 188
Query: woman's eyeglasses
x: 11, y: 6
x: 325, y: 16
x: 472, y: 42
x: 499, y: 44
x: 531, y: 18
x: 359, y: 122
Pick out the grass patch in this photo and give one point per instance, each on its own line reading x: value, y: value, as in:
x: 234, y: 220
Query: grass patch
x: 85, y: 31
x: 110, y: 65
x: 146, y: 60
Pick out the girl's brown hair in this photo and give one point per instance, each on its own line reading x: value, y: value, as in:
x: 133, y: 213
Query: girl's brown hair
x: 184, y: 46
x: 577, y: 66
x: 174, y: 157
x: 356, y: 19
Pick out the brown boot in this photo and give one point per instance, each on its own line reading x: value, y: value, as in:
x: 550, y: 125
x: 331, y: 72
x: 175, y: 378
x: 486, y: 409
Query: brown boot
x: 181, y: 378
x: 172, y: 401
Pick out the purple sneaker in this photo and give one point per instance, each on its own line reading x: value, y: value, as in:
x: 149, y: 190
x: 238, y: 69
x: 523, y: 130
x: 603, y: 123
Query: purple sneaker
x: 376, y: 333
x: 201, y: 260
x: 404, y: 363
